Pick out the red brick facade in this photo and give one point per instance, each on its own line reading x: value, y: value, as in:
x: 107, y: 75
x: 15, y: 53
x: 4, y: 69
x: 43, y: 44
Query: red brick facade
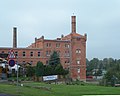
x: 71, y: 48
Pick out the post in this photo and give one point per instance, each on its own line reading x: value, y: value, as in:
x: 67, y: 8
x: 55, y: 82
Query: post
x: 17, y: 71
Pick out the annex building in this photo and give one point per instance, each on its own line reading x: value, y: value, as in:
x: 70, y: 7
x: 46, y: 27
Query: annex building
x: 71, y: 49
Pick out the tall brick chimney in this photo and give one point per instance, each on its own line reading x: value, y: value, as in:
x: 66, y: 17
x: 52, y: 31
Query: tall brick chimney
x: 73, y: 24
x: 14, y: 37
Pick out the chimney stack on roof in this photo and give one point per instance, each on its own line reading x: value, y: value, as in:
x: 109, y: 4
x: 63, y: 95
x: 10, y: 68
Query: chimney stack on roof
x: 14, y: 37
x: 73, y: 24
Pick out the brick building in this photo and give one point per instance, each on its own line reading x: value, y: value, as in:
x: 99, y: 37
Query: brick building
x: 71, y: 48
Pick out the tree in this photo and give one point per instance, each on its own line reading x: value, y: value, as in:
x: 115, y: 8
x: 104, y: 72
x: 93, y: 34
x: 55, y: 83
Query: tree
x: 91, y: 65
x: 30, y: 71
x: 39, y: 69
x: 54, y: 59
x: 98, y: 72
x: 94, y: 63
x: 59, y: 69
x: 87, y: 62
x: 56, y: 67
x: 113, y: 71
x: 101, y: 66
x: 48, y: 70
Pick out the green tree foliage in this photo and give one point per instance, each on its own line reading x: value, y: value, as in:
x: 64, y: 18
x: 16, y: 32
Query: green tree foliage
x: 112, y: 66
x: 30, y: 71
x: 54, y: 62
x: 59, y: 69
x: 87, y: 62
x: 91, y: 65
x: 53, y: 68
x: 39, y: 69
x: 48, y: 70
x: 105, y: 64
x: 54, y: 59
x: 113, y: 71
x: 56, y: 70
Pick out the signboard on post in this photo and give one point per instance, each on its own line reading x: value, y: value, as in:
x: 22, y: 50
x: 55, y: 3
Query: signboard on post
x: 11, y: 63
x: 11, y: 57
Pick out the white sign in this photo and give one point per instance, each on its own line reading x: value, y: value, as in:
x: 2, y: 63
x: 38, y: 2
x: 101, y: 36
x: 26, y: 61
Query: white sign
x: 11, y: 55
x: 52, y: 77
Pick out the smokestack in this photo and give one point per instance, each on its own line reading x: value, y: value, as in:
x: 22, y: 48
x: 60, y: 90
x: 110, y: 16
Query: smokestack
x: 14, y: 37
x: 73, y: 24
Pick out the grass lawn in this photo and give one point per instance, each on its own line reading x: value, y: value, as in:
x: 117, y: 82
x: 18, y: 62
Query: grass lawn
x: 57, y: 90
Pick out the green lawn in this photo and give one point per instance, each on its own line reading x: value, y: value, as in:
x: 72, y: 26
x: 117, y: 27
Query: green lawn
x: 57, y: 90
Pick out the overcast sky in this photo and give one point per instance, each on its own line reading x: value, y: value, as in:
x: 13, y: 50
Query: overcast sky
x: 100, y: 19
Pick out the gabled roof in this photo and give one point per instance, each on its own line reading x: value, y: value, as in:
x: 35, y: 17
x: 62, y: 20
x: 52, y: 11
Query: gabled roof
x: 68, y: 37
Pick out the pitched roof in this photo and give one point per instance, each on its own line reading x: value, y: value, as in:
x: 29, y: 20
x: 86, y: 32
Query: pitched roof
x: 68, y: 37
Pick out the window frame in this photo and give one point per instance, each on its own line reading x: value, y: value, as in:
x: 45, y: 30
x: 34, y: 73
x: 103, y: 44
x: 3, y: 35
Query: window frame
x: 31, y: 54
x: 23, y: 53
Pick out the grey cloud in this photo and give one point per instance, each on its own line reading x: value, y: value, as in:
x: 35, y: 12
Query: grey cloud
x: 98, y: 18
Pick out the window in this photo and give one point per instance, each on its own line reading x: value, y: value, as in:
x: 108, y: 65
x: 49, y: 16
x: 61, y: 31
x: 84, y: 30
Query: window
x: 38, y: 54
x: 31, y: 54
x: 58, y: 52
x: 67, y: 61
x: 78, y: 70
x: 67, y: 45
x: 78, y: 38
x: 67, y: 53
x: 78, y: 51
x: 48, y: 44
x: 31, y: 62
x: 16, y: 53
x: 57, y: 45
x: 78, y: 61
x: 24, y: 53
x: 23, y: 62
x: 48, y: 53
x: 46, y: 61
x: 2, y: 51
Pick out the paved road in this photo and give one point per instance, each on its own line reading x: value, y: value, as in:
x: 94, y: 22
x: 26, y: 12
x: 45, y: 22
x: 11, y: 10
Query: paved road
x: 5, y: 95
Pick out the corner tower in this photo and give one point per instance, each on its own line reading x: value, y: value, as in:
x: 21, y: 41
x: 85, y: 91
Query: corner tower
x: 78, y: 53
